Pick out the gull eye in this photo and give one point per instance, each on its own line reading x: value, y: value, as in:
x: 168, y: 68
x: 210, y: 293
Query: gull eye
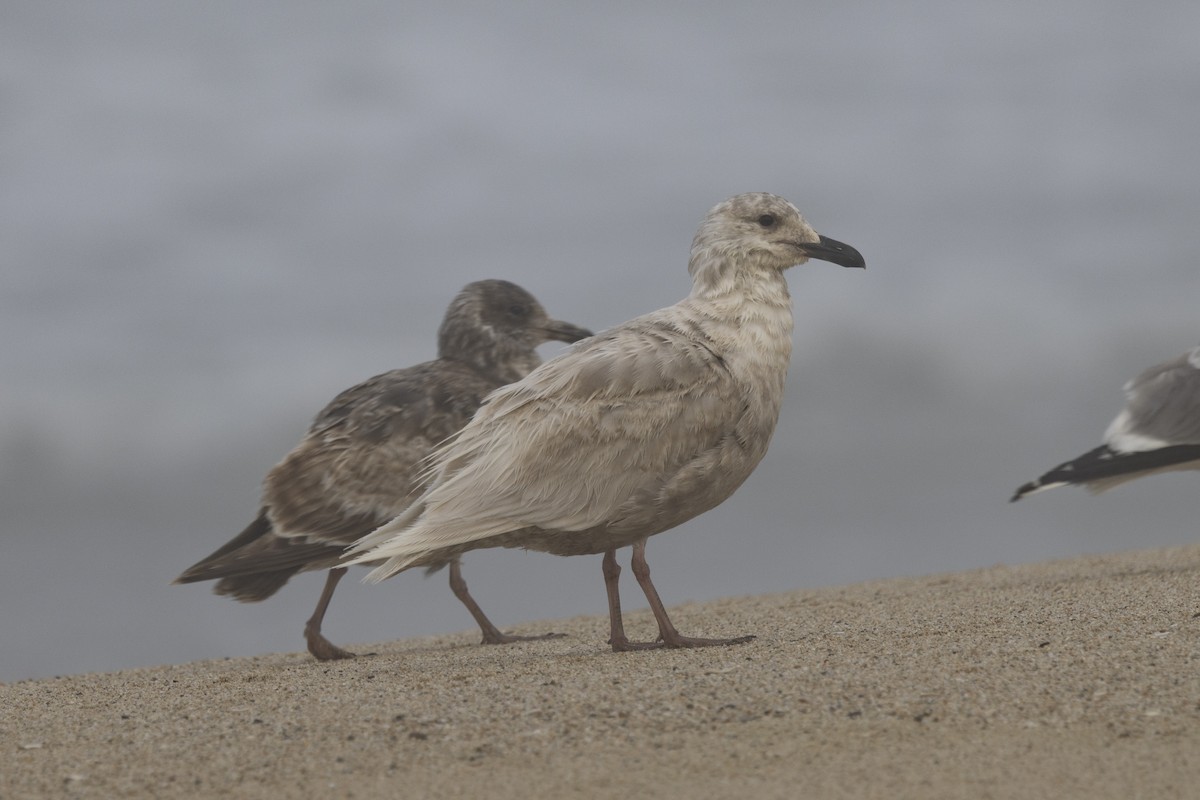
x: 518, y: 310
x: 767, y: 220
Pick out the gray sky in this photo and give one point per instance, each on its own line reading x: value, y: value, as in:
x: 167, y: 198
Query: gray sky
x: 216, y: 217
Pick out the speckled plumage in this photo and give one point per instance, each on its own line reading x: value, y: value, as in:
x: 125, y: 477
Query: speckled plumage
x: 1157, y: 431
x: 634, y: 431
x: 360, y: 463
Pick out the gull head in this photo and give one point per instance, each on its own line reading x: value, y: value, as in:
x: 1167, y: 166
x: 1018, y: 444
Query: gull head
x: 760, y: 232
x: 496, y: 325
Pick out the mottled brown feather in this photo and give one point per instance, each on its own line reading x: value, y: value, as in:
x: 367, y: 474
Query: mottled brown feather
x: 360, y: 463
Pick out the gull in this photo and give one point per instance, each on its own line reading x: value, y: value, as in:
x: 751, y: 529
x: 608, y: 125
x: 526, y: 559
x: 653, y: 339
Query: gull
x: 633, y: 431
x: 1157, y: 431
x: 359, y: 464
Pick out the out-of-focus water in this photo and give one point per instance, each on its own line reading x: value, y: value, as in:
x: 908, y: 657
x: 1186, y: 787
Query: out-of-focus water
x: 215, y: 217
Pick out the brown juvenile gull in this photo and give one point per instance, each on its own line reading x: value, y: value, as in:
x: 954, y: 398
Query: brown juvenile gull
x: 633, y: 431
x: 360, y: 463
x: 1157, y: 431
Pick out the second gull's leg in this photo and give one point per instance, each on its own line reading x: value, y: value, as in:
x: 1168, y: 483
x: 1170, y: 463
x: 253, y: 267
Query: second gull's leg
x: 491, y: 634
x: 321, y: 648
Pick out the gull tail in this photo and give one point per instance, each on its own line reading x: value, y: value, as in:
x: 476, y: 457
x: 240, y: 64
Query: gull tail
x: 384, y: 532
x: 413, y: 539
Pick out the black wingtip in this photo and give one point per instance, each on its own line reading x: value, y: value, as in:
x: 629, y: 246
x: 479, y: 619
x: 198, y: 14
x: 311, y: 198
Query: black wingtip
x: 1103, y: 465
x: 1026, y: 488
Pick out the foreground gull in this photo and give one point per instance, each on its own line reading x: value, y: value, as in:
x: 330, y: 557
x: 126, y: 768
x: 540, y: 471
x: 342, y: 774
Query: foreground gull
x: 633, y: 431
x: 360, y: 463
x: 1157, y: 431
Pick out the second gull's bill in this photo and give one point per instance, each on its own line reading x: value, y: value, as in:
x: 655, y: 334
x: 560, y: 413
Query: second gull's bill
x: 360, y: 463
x: 633, y: 431
x: 1157, y: 431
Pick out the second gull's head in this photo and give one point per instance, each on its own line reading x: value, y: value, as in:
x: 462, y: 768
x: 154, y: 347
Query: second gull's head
x: 496, y: 325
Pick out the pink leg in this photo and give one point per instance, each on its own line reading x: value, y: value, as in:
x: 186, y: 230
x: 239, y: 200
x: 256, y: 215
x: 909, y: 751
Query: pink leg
x: 616, y: 637
x: 491, y: 634
x: 321, y: 648
x: 666, y: 631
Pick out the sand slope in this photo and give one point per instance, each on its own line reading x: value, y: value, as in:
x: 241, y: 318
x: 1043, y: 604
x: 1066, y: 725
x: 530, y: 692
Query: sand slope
x: 1078, y: 678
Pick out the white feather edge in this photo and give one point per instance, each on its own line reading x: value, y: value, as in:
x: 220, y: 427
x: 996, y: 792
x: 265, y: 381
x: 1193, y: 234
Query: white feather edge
x: 1120, y: 438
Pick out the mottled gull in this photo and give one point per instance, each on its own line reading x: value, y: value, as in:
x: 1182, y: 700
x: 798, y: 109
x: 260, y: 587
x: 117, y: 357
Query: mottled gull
x: 360, y: 463
x: 1157, y: 431
x: 633, y: 431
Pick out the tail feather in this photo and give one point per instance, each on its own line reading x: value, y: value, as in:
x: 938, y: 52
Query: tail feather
x: 413, y: 540
x: 254, y: 587
x: 390, y: 567
x: 256, y: 563
x: 386, y: 531
x: 201, y: 570
x: 1103, y: 468
x: 424, y: 544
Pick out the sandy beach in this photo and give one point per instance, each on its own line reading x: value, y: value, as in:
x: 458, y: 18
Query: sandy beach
x: 1077, y: 678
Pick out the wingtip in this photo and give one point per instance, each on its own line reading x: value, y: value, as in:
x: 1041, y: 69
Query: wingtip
x: 383, y: 534
x: 189, y: 575
x: 384, y: 571
x: 1034, y: 487
x: 367, y: 552
x: 377, y: 575
x: 1023, y: 490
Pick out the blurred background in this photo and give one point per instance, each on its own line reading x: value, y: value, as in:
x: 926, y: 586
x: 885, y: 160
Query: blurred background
x: 217, y: 215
